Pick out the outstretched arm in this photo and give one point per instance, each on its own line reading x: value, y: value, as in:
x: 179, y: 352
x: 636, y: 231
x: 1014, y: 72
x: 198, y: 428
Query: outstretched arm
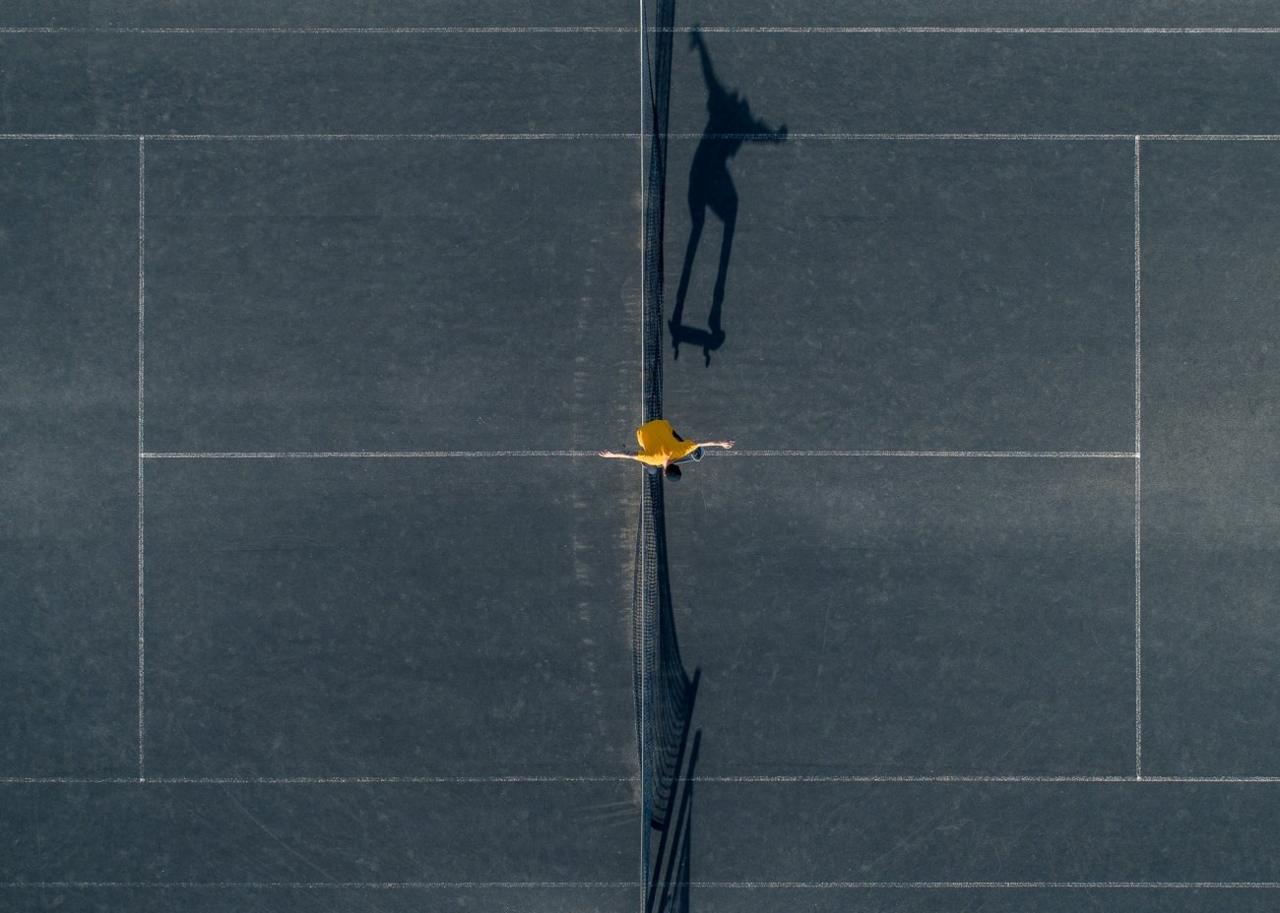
x: 725, y: 445
x: 610, y: 455
x: 708, y: 74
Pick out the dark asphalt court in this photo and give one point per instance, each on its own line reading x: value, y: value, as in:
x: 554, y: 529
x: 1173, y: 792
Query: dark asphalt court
x: 312, y: 596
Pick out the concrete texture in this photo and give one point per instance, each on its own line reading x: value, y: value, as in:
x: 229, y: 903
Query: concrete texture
x: 377, y: 682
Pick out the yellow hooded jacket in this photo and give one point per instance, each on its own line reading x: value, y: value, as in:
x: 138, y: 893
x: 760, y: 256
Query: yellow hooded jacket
x: 659, y: 443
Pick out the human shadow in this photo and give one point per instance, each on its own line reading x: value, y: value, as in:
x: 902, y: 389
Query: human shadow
x: 730, y: 123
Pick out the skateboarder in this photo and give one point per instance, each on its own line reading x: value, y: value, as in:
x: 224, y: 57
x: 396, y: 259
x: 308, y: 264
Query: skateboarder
x: 661, y: 448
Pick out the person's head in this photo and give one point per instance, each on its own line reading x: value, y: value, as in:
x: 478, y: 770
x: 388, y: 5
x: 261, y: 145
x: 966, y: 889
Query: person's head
x: 672, y: 472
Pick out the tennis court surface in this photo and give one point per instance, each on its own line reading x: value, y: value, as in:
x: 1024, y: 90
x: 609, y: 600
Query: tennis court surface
x: 314, y: 595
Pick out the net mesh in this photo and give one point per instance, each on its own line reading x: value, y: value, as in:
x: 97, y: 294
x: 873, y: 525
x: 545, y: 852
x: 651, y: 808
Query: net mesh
x: 665, y: 693
x: 657, y: 61
x: 665, y: 696
x: 668, y: 689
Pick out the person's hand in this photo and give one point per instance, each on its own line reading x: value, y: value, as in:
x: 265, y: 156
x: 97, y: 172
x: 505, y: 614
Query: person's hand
x: 604, y: 453
x: 728, y: 445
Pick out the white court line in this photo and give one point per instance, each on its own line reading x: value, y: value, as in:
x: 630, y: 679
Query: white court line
x: 1137, y: 446
x: 623, y: 30
x: 978, y: 30
x: 331, y: 137
x: 987, y: 778
x: 539, y: 137
x: 483, y: 454
x: 542, y: 137
x: 142, y: 303
x: 325, y: 30
x: 384, y: 137
x: 548, y: 136
x: 907, y: 778
x: 1147, y: 778
x: 742, y: 779
x: 937, y: 454
x: 359, y: 454
x: 1010, y: 137
x: 995, y: 885
x: 308, y: 781
x: 324, y: 781
x: 18, y: 137
x: 912, y: 137
x: 620, y: 885
x: 319, y: 885
x: 1209, y: 137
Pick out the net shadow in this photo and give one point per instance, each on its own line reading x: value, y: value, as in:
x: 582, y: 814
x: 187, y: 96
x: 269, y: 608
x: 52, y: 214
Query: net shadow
x: 666, y: 696
x: 664, y: 692
x: 668, y: 890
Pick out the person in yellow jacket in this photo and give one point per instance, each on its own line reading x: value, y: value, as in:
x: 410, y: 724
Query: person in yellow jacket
x: 661, y: 448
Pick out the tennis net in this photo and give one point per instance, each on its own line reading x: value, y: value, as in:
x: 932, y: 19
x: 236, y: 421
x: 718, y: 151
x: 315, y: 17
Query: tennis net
x: 664, y: 692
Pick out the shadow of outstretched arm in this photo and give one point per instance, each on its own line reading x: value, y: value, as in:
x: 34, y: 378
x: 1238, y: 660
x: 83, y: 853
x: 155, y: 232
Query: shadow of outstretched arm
x: 708, y: 71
